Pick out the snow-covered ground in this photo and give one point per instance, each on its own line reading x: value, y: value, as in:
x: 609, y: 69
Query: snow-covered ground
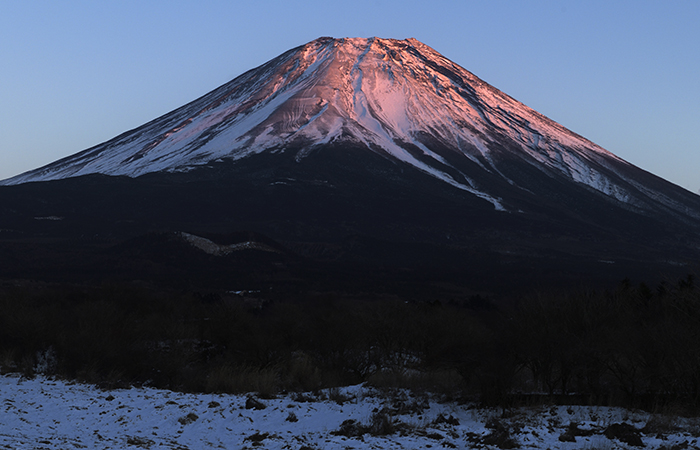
x: 42, y: 413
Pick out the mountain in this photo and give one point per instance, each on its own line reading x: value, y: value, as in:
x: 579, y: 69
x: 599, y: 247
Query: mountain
x: 372, y: 149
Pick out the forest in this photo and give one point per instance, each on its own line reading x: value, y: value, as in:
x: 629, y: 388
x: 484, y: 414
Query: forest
x: 631, y: 345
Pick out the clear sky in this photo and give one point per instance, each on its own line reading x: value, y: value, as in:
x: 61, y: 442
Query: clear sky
x: 623, y: 73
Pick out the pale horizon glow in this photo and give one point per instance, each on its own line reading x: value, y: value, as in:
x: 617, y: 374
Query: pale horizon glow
x: 622, y: 74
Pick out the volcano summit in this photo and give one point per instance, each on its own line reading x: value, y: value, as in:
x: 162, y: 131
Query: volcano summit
x: 376, y: 139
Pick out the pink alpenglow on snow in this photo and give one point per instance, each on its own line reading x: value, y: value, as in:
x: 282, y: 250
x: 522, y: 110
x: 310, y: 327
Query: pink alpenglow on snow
x: 399, y: 98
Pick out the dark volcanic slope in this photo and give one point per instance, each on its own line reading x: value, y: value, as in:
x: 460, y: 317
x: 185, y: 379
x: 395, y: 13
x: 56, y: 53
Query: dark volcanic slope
x: 340, y: 225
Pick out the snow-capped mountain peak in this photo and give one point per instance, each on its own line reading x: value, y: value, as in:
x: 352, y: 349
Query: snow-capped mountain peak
x: 399, y: 98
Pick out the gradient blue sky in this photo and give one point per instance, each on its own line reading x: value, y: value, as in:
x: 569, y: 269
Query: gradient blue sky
x: 624, y: 74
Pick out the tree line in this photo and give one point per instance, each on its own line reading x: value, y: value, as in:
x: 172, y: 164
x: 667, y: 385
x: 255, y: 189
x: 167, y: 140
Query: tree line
x: 632, y: 345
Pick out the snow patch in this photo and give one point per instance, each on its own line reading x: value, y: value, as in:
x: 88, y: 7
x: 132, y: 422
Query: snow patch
x: 52, y: 218
x: 212, y: 248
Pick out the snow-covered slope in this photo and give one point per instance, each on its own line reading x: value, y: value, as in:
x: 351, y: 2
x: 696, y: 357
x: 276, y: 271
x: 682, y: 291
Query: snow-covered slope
x: 399, y: 98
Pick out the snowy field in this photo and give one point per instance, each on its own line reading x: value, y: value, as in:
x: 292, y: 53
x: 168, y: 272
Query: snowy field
x: 47, y: 414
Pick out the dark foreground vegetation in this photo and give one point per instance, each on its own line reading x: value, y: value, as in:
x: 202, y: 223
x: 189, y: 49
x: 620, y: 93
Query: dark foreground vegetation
x: 631, y: 346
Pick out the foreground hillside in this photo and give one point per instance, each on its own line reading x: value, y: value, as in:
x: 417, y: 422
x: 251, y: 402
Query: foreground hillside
x: 42, y: 413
